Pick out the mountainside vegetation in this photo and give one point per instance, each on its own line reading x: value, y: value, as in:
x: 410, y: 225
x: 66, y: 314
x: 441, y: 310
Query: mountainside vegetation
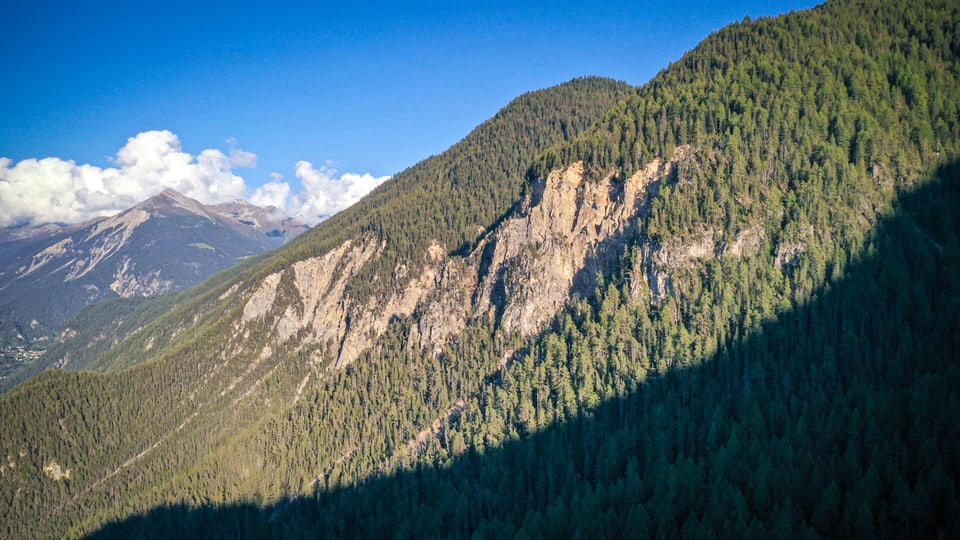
x: 477, y: 180
x: 177, y: 374
x: 826, y: 421
x: 453, y: 198
x: 772, y: 352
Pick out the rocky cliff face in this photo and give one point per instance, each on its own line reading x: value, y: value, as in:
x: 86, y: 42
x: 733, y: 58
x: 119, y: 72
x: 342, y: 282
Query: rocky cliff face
x: 563, y: 234
x: 566, y: 233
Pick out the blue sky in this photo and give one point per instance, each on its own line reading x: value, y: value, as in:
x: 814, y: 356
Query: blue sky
x: 351, y: 87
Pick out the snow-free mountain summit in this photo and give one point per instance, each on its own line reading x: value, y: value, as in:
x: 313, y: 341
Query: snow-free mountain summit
x: 166, y: 243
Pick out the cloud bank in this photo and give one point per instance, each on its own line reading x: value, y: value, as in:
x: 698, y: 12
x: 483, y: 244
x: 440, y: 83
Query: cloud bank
x: 323, y: 193
x: 53, y: 190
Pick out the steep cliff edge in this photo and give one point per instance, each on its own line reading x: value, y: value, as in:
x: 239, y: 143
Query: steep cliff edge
x: 568, y: 231
x: 564, y: 232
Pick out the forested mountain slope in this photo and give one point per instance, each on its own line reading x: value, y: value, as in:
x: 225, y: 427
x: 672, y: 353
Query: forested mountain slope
x: 194, y: 380
x: 836, y: 419
x: 446, y: 201
x: 729, y: 308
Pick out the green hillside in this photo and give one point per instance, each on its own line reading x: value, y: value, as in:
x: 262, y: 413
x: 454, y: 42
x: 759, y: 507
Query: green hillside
x: 826, y: 421
x: 798, y: 376
x: 450, y: 198
x: 171, y: 400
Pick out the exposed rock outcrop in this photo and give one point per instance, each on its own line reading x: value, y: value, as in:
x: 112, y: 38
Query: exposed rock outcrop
x: 130, y: 283
x: 788, y: 254
x: 55, y: 472
x: 564, y: 233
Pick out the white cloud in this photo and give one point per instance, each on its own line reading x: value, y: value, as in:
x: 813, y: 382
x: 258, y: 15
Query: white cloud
x: 271, y: 194
x: 55, y: 190
x: 323, y: 194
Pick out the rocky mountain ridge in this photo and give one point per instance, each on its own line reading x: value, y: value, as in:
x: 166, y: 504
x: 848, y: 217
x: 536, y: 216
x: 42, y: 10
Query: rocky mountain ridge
x: 344, y: 286
x: 165, y: 243
x: 521, y: 274
x: 567, y: 233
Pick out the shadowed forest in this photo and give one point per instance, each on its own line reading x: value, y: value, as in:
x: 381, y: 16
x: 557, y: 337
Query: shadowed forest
x: 839, y: 419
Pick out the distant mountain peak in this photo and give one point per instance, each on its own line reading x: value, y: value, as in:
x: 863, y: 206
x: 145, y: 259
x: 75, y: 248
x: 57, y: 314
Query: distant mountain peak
x: 171, y: 199
x: 165, y: 243
x: 269, y: 220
